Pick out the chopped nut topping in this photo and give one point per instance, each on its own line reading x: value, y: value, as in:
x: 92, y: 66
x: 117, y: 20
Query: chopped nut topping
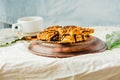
x: 66, y: 34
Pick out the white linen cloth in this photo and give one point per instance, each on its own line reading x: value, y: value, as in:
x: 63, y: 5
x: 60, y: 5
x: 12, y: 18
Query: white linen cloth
x: 17, y: 63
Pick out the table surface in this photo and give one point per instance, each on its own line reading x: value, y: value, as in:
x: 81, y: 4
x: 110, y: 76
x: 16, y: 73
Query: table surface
x: 16, y: 62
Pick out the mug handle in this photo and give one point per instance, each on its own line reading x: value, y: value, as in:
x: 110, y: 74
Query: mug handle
x: 16, y: 27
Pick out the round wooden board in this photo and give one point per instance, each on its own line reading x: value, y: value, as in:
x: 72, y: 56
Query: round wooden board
x: 50, y: 49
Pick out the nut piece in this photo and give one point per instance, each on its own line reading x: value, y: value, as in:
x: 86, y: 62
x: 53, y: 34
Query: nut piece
x: 79, y: 38
x: 68, y: 39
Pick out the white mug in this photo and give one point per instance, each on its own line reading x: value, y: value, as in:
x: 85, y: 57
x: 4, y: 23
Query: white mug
x: 28, y: 26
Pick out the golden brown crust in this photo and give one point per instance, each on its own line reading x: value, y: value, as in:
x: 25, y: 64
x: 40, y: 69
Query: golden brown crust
x: 66, y: 34
x: 30, y: 38
x: 47, y: 35
x: 68, y: 39
x: 54, y: 28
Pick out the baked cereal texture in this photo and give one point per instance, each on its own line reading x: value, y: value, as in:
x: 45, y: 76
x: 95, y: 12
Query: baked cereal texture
x: 66, y: 34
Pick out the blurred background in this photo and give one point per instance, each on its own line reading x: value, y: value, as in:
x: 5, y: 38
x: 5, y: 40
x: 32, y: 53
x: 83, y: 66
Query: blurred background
x: 62, y: 12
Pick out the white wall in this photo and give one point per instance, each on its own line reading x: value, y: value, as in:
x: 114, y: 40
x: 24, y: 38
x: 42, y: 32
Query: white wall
x: 64, y: 12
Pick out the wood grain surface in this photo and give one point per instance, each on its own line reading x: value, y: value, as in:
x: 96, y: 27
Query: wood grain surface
x: 59, y: 50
